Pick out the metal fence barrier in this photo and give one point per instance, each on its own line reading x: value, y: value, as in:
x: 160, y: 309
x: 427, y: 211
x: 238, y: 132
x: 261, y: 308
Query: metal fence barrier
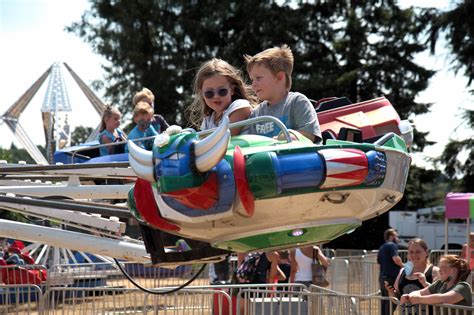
x: 223, y: 300
x: 354, y: 276
x: 107, y: 274
x: 133, y: 301
x: 100, y: 287
x: 20, y: 299
x: 256, y: 302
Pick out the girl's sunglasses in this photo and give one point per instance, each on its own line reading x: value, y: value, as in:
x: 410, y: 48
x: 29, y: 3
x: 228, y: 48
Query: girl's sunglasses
x: 211, y: 93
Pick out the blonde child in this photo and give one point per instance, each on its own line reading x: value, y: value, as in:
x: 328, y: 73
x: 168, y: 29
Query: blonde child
x: 270, y: 72
x: 110, y: 131
x: 145, y: 95
x: 142, y: 116
x: 219, y: 90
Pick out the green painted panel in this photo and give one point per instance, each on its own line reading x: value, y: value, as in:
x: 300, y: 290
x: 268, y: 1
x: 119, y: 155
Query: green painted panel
x: 288, y: 238
x: 173, y: 183
x: 261, y: 175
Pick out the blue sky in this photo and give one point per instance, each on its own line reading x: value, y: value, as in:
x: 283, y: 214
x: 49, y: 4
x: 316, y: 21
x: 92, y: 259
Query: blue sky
x: 32, y: 37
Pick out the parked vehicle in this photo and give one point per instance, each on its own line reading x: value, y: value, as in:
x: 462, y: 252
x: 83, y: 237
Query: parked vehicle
x: 428, y: 224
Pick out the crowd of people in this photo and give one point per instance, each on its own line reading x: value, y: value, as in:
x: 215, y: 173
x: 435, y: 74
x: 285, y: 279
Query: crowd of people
x: 418, y: 281
x: 10, y: 252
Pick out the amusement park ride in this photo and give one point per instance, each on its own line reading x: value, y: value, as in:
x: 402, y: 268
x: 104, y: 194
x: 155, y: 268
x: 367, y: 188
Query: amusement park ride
x: 219, y: 193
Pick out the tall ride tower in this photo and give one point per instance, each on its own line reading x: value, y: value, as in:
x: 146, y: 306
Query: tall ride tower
x: 54, y: 111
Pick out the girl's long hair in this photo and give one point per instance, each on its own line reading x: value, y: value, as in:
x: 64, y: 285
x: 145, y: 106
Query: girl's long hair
x: 460, y: 264
x: 108, y: 112
x: 198, y: 108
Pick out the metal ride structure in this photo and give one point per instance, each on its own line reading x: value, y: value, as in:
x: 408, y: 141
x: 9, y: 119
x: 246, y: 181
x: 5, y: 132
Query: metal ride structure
x: 54, y: 111
x: 218, y: 194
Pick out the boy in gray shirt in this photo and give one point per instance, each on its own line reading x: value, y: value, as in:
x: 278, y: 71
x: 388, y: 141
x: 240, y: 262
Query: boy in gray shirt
x: 270, y: 72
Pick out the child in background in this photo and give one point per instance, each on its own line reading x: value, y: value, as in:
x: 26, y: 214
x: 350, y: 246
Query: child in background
x: 145, y: 95
x: 219, y: 90
x: 109, y: 130
x: 270, y: 72
x: 142, y: 116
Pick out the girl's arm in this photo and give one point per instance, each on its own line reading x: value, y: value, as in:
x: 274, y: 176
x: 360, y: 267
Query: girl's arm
x: 281, y: 274
x: 294, y: 266
x: 450, y: 297
x: 238, y: 115
x: 105, y: 140
x: 273, y: 259
x: 240, y: 258
x: 410, y: 298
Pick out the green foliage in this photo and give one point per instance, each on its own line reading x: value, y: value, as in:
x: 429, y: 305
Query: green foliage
x: 5, y: 155
x: 456, y: 27
x: 425, y: 188
x: 455, y: 165
x: 9, y: 215
x: 15, y: 155
x: 80, y: 135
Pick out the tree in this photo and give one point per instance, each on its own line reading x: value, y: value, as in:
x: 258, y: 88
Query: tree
x: 456, y: 27
x: 451, y: 158
x: 5, y: 155
x: 360, y: 50
x: 80, y: 135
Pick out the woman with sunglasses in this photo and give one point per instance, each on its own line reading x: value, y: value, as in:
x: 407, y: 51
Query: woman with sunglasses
x: 219, y: 90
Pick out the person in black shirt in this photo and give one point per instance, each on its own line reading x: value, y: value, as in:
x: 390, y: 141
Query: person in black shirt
x: 390, y: 264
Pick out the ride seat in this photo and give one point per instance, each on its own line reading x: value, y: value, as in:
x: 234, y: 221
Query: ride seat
x: 3, y: 270
x: 331, y: 103
x: 350, y: 134
x: 328, y: 134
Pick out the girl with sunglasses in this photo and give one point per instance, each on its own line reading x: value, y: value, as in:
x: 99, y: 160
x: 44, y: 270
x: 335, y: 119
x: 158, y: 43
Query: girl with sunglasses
x: 219, y: 90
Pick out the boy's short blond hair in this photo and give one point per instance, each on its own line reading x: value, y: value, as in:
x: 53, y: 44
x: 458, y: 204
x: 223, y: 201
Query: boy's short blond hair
x: 142, y: 108
x: 276, y: 59
x: 140, y: 96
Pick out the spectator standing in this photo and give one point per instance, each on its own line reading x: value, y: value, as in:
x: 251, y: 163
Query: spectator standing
x: 390, y: 264
x: 301, y: 261
x: 464, y: 253
x: 418, y: 272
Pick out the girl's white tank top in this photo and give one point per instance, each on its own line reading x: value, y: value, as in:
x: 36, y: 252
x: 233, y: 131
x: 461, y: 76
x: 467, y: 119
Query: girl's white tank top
x: 304, y: 272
